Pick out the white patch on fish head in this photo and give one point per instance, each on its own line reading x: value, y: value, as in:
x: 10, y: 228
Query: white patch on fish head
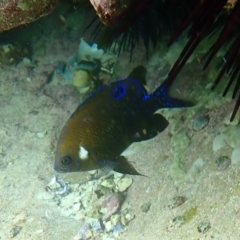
x: 83, y: 153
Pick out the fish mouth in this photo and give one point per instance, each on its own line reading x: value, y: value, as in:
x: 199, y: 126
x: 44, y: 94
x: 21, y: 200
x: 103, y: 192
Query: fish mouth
x: 62, y: 169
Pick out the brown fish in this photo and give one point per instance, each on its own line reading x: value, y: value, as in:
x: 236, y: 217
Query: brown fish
x: 111, y: 119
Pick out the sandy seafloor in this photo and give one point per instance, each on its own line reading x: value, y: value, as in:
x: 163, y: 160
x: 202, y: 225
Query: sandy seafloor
x: 178, y: 162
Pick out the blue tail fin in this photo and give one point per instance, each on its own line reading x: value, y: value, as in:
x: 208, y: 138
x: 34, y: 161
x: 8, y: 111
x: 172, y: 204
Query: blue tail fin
x: 163, y: 100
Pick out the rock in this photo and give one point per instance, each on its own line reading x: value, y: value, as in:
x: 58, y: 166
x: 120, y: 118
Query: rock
x: 118, y: 228
x: 177, y: 201
x: 203, y: 227
x: 235, y: 157
x: 88, y: 52
x: 15, y: 231
x: 108, y: 183
x: 176, y: 222
x: 20, y: 217
x: 41, y: 134
x: 145, y: 207
x: 27, y: 61
x: 97, y: 226
x: 12, y: 54
x: 83, y: 233
x: 219, y: 142
x: 81, y: 78
x: 108, y: 11
x: 108, y: 226
x: 232, y: 134
x: 124, y: 183
x: 111, y: 205
x: 200, y: 122
x: 126, y: 217
x: 115, y: 219
x: 223, y: 162
x: 15, y: 13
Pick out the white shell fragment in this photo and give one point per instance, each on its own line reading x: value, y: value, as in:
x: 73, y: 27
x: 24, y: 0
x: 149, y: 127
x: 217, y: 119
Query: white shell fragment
x: 219, y: 142
x: 107, y: 183
x: 87, y: 52
x: 235, y: 158
x: 41, y: 134
x: 123, y: 184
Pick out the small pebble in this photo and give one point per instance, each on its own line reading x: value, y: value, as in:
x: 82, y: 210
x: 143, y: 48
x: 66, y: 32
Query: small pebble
x: 111, y: 204
x: 235, y: 156
x: 223, y: 163
x: 118, y: 227
x: 108, y: 226
x: 26, y: 61
x: 177, y: 222
x: 126, y: 217
x: 83, y: 233
x: 124, y: 183
x: 145, y: 207
x: 15, y: 231
x: 108, y: 183
x: 200, y: 122
x: 41, y: 134
x: 97, y: 226
x: 19, y: 218
x: 203, y: 227
x: 177, y: 201
x: 219, y: 142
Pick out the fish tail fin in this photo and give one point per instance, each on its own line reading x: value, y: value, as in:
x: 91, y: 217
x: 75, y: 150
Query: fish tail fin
x: 162, y: 99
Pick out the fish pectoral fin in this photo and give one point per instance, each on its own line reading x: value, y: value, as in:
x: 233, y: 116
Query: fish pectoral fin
x: 119, y: 164
x: 125, y: 167
x: 107, y: 165
x: 159, y: 122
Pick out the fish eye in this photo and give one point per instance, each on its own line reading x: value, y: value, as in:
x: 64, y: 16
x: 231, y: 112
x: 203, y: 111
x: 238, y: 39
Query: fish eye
x: 66, y: 160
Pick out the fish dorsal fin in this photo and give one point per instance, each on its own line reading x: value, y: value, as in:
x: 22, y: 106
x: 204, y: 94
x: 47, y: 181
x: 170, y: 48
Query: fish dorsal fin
x: 139, y: 73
